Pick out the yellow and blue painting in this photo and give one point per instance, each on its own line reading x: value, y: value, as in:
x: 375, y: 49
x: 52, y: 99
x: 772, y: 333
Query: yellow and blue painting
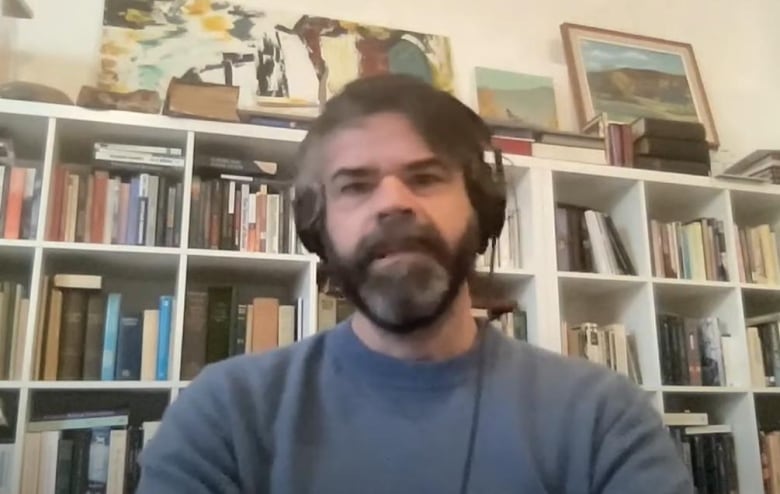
x: 516, y: 99
x: 269, y: 55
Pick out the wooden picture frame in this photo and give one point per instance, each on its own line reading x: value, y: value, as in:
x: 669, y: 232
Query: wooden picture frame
x: 627, y: 76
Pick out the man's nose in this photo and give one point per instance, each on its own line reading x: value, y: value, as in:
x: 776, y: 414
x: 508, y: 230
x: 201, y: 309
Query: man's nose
x: 394, y: 198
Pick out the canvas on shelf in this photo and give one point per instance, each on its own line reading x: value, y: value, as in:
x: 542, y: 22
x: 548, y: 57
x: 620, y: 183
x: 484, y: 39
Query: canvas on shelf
x: 280, y: 59
x: 515, y: 98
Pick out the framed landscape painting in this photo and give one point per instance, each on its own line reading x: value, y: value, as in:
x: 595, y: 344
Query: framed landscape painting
x: 513, y: 98
x: 627, y: 76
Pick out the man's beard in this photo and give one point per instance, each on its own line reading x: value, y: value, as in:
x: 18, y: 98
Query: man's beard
x: 412, y: 291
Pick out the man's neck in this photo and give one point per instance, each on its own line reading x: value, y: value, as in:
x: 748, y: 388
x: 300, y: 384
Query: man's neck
x: 451, y: 335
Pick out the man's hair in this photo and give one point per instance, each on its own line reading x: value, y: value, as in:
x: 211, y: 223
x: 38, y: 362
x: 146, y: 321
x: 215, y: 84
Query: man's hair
x: 451, y: 129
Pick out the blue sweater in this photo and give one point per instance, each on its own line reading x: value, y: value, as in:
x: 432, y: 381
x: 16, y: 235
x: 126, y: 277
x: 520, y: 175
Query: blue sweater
x: 330, y: 416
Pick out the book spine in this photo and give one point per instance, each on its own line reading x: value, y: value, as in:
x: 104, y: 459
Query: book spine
x: 164, y: 337
x: 97, y: 470
x: 178, y: 195
x: 110, y: 336
x: 128, y: 353
x: 238, y: 331
x: 133, y: 211
x: 218, y: 323
x: 193, y: 353
x: 143, y: 209
x: 93, y: 339
x: 14, y: 200
x: 195, y: 213
x: 74, y: 312
x: 162, y: 210
x: 151, y: 217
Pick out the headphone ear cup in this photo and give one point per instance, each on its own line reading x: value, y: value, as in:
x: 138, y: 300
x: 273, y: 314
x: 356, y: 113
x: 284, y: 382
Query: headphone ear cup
x: 489, y: 199
x: 308, y: 222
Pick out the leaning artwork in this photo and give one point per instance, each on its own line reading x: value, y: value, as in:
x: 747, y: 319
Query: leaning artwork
x: 275, y: 58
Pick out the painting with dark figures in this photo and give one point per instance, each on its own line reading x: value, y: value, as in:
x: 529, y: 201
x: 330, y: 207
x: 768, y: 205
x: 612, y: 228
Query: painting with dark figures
x: 276, y: 58
x: 627, y: 76
x: 514, y: 98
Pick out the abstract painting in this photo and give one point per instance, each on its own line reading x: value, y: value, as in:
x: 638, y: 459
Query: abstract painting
x: 627, y: 76
x: 276, y: 58
x: 515, y: 98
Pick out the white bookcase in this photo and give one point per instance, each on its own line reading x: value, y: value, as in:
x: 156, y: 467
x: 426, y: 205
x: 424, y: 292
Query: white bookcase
x: 52, y: 134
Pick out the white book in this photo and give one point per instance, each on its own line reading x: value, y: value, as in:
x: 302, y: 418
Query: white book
x: 685, y: 419
x: 149, y: 430
x: 620, y: 350
x: 732, y: 363
x: 72, y: 208
x: 151, y: 210
x: 300, y: 321
x: 286, y: 334
x: 231, y: 197
x: 133, y: 148
x: 117, y: 447
x: 242, y: 241
x: 597, y: 243
x: 47, y: 469
x: 7, y: 452
x: 108, y: 217
x: 757, y: 377
x: 78, y: 281
x: 115, y: 186
x: 31, y: 462
x: 504, y: 249
x: 130, y: 157
x: 568, y: 153
x: 149, y: 345
x: 272, y: 224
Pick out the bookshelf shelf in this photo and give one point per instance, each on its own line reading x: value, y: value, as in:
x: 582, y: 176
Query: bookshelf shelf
x: 50, y: 135
x: 708, y: 390
x: 101, y: 385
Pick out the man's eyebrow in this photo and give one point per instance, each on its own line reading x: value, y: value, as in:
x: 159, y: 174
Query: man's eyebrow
x: 352, y: 173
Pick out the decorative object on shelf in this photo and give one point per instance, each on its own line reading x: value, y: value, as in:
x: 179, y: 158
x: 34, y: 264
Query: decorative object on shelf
x: 762, y: 165
x: 202, y: 100
x: 516, y: 99
x: 142, y: 100
x: 30, y: 91
x: 296, y: 58
x: 630, y: 76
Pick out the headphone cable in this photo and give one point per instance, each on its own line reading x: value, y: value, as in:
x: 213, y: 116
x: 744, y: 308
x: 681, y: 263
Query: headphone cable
x: 467, y: 465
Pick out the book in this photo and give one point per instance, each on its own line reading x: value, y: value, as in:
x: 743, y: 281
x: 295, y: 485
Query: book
x: 110, y: 336
x: 193, y: 352
x: 164, y: 336
x: 675, y: 149
x: 128, y: 353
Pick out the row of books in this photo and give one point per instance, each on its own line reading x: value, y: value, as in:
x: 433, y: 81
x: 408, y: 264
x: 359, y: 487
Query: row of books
x: 763, y: 342
x: 610, y: 345
x: 513, y: 323
x: 695, y: 250
x: 217, y: 326
x: 757, y: 258
x: 588, y: 240
x: 91, y: 452
x: 14, y: 312
x: 697, y: 352
x: 112, y: 206
x: 86, y: 334
x: 707, y: 450
x: 508, y: 254
x: 248, y: 214
x: 19, y: 199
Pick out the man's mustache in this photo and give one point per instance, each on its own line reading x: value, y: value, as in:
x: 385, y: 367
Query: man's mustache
x: 394, y: 236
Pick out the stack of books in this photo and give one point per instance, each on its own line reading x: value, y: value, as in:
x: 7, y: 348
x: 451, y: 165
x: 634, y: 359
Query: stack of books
x: 130, y: 195
x: 697, y: 352
x: 512, y: 321
x: 762, y: 165
x: 20, y: 187
x: 695, y: 250
x: 670, y: 145
x: 707, y: 450
x: 757, y: 258
x: 588, y: 241
x: 218, y: 326
x: 84, y: 452
x: 14, y: 312
x: 611, y: 346
x: 86, y: 335
x: 763, y: 342
x: 549, y: 144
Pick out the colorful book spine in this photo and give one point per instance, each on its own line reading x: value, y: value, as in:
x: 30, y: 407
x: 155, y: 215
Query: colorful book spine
x: 110, y: 336
x: 164, y: 336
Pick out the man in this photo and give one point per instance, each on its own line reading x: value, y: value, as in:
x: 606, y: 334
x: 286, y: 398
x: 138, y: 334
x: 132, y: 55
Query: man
x: 410, y: 395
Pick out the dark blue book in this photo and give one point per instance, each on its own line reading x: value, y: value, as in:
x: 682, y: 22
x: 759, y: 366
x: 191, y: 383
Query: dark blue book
x: 128, y: 352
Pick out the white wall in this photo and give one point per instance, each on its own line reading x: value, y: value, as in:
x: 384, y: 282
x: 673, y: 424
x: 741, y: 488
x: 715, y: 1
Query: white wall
x: 737, y: 45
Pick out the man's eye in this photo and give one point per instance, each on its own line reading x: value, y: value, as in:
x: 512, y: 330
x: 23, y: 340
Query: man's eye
x: 355, y: 188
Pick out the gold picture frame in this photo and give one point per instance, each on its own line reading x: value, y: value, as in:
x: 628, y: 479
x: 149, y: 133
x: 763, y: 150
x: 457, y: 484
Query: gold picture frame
x: 627, y: 76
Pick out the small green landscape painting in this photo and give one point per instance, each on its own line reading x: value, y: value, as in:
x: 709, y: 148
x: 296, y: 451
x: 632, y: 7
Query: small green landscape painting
x: 516, y: 99
x: 628, y: 82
